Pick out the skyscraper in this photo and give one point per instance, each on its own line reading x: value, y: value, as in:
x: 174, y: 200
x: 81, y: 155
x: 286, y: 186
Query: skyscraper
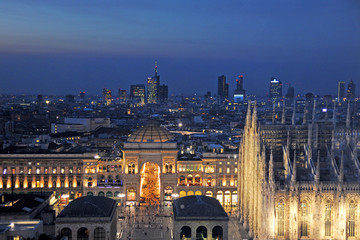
x: 122, y: 96
x: 137, y: 94
x: 153, y: 84
x: 82, y: 96
x: 223, y: 89
x: 107, y: 96
x: 351, y: 90
x: 239, y: 93
x: 163, y: 93
x: 275, y: 91
x: 290, y: 93
x: 341, y: 91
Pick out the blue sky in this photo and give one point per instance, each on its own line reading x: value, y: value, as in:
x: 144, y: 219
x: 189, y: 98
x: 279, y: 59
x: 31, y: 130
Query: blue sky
x: 59, y: 47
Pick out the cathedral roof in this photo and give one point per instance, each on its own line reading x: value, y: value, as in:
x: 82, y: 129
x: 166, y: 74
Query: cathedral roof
x: 152, y: 132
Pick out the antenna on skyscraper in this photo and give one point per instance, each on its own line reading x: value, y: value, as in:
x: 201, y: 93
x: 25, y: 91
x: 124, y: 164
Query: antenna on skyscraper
x: 155, y: 67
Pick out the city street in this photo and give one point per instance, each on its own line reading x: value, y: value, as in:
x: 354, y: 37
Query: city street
x: 145, y: 222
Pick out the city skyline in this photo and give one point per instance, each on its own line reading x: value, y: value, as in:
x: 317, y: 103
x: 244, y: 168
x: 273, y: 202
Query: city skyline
x: 89, y: 46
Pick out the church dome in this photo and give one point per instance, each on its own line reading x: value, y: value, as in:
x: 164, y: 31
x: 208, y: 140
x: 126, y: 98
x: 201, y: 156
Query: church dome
x: 152, y: 132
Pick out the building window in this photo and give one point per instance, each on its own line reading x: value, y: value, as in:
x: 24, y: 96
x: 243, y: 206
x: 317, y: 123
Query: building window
x: 328, y: 207
x: 220, y: 170
x: 201, y: 233
x: 208, y: 181
x: 304, y: 223
x: 66, y: 232
x: 29, y: 171
x: 227, y: 170
x: 62, y: 170
x: 280, y: 218
x: 185, y: 232
x: 236, y: 183
x: 131, y: 168
x: 235, y: 170
x: 83, y: 234
x: 220, y: 183
x: 54, y: 170
x: 352, y: 219
x: 46, y: 170
x: 37, y: 171
x: 99, y: 233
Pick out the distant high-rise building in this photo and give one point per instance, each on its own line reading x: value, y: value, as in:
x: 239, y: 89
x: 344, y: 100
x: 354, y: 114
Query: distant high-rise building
x: 163, y: 93
x: 122, y: 96
x: 239, y: 93
x: 153, y: 84
x: 240, y: 83
x: 290, y: 93
x: 107, y: 97
x: 351, y: 90
x: 275, y: 91
x: 137, y: 94
x: 82, y: 96
x: 223, y: 89
x: 341, y: 91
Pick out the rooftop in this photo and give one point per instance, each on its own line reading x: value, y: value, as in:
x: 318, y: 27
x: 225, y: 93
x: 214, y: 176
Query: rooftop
x: 89, y: 206
x: 152, y: 132
x: 198, y: 207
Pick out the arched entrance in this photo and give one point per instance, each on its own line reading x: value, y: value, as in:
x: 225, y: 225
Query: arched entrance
x: 150, y: 183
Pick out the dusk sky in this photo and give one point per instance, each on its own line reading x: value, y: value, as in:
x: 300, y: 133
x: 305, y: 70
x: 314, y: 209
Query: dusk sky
x: 61, y: 47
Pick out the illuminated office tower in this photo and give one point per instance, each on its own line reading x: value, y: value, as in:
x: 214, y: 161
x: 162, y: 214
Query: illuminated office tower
x: 137, y: 94
x: 275, y: 91
x: 341, y: 91
x: 107, y: 96
x: 239, y: 93
x: 223, y: 89
x: 122, y: 96
x: 153, y: 84
x: 351, y: 90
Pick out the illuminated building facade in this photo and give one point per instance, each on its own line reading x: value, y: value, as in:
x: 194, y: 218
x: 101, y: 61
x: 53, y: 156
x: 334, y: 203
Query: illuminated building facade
x: 275, y: 91
x: 299, y: 181
x: 137, y: 94
x: 107, y: 96
x: 65, y: 174
x: 148, y: 171
x: 153, y: 84
x: 239, y: 93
